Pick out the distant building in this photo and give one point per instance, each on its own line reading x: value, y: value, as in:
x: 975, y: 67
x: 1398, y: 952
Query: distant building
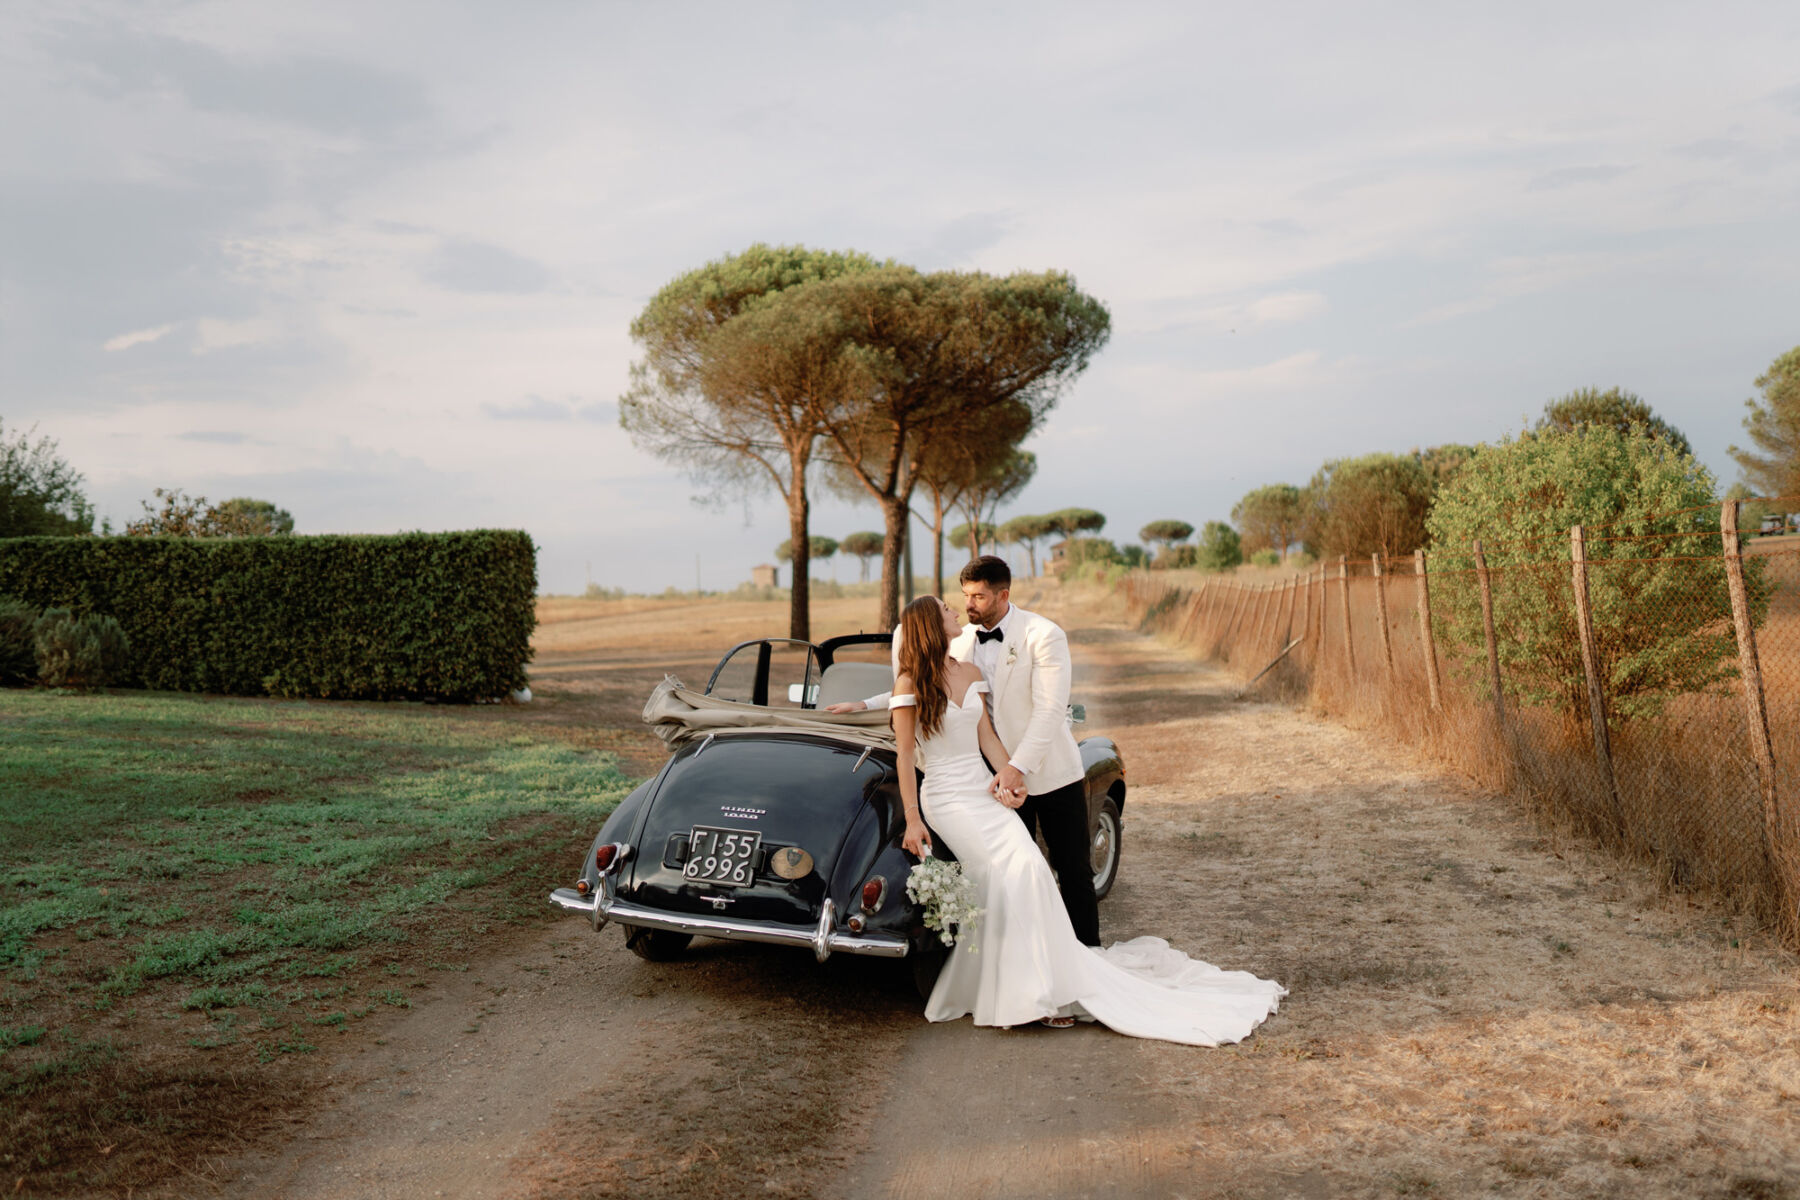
x: 765, y: 576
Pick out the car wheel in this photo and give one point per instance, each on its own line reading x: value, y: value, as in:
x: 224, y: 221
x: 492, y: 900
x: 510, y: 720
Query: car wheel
x: 1103, y: 850
x: 656, y: 945
x: 926, y: 961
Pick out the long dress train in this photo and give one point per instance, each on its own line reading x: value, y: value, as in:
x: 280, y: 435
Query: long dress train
x: 1023, y: 961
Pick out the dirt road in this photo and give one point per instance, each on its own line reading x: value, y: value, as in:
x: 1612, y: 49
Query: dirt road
x: 1477, y: 1007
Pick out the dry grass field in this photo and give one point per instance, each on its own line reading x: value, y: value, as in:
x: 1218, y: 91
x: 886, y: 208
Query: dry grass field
x: 1480, y: 1005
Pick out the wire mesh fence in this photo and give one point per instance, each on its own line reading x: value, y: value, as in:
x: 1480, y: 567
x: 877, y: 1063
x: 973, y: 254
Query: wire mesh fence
x: 1638, y: 682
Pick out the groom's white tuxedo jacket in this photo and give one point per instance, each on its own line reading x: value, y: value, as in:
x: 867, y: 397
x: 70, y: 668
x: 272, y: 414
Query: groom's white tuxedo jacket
x: 1028, y: 688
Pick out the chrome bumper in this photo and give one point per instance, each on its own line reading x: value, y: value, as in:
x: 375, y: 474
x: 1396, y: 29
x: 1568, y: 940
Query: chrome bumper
x: 824, y: 938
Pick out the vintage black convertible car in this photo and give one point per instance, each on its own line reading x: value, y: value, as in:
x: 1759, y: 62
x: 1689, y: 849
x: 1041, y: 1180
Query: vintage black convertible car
x: 774, y: 821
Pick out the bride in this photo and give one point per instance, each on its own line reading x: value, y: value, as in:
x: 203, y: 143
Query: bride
x: 1023, y: 963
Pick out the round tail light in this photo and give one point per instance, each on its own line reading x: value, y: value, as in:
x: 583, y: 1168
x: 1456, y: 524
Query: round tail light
x: 873, y: 893
x: 604, y: 855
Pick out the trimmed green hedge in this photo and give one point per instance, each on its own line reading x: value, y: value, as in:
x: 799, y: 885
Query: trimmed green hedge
x: 411, y: 616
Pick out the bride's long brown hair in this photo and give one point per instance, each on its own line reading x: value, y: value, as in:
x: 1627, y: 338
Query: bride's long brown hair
x: 923, y: 648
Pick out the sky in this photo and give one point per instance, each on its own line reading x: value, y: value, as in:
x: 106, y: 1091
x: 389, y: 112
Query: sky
x: 377, y: 262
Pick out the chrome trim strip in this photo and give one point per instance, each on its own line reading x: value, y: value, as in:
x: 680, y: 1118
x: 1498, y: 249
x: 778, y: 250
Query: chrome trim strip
x: 603, y: 896
x: 832, y: 940
x: 572, y: 900
x: 862, y: 758
x: 705, y: 744
x: 821, y: 938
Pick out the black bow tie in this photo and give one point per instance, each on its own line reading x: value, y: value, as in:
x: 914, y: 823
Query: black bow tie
x: 990, y: 635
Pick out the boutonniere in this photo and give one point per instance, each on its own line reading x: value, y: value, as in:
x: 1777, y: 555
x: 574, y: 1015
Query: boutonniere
x: 1012, y: 655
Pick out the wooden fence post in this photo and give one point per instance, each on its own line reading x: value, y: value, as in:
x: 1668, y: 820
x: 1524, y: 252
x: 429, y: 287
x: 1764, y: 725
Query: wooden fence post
x: 1324, y: 603
x: 1253, y: 616
x: 1290, y: 593
x: 1756, y: 709
x: 1487, y: 630
x: 1381, y: 617
x: 1217, y: 610
x: 1237, y: 606
x: 1590, y: 666
x: 1193, y: 610
x: 1306, y: 605
x: 1425, y: 636
x: 1344, y: 595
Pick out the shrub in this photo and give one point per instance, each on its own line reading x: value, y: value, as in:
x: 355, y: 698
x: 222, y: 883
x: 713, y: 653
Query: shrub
x: 18, y: 643
x: 1220, y: 547
x: 115, y: 647
x: 1177, y: 557
x: 1266, y: 558
x: 1656, y: 582
x: 79, y: 652
x: 1090, y: 549
x: 408, y: 616
x: 1377, y: 502
x: 1132, y: 556
x: 68, y: 650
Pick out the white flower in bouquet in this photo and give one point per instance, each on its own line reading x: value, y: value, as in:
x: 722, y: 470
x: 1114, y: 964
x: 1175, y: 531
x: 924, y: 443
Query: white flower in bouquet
x: 947, y: 896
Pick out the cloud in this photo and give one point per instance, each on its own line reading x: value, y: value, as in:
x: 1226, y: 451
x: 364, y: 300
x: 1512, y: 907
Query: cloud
x: 215, y: 437
x: 218, y: 334
x: 536, y: 408
x: 1287, y: 306
x: 1567, y: 177
x: 532, y: 408
x: 465, y: 265
x: 1713, y: 149
x: 1513, y: 277
x: 960, y: 240
x: 332, y: 95
x: 140, y: 337
x: 1276, y: 308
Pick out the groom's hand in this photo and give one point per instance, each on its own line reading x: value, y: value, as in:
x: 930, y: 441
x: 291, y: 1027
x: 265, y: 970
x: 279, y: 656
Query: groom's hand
x: 1009, y: 786
x: 847, y: 706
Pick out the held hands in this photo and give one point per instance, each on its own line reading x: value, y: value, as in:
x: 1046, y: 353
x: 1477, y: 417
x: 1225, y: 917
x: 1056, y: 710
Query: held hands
x: 1008, y: 786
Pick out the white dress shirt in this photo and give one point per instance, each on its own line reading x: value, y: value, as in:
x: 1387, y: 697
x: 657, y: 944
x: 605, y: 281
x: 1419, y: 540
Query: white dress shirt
x: 986, y: 655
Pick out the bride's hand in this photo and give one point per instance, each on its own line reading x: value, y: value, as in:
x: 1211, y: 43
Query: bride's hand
x: 917, y: 841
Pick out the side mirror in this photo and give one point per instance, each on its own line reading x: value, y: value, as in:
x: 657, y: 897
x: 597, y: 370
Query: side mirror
x: 1077, y: 714
x: 806, y: 695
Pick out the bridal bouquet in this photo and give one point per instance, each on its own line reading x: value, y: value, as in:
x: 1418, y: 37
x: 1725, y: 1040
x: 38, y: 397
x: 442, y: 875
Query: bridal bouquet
x: 948, y: 897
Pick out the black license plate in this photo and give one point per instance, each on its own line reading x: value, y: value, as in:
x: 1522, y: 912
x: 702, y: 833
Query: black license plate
x: 726, y: 856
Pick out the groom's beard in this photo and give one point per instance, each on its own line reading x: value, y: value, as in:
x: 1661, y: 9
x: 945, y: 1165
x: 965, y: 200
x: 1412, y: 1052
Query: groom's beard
x: 986, y: 620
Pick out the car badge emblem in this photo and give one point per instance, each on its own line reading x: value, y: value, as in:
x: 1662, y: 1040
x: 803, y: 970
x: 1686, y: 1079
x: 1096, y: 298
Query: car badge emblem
x: 791, y: 862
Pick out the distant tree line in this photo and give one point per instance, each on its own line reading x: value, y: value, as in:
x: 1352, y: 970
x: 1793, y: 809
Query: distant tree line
x: 1384, y: 502
x: 41, y: 495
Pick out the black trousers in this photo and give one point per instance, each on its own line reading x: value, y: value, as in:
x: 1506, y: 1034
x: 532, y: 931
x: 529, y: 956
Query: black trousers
x: 1062, y: 815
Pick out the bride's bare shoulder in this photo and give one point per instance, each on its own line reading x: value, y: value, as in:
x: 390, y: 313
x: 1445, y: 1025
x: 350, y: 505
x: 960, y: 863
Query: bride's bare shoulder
x: 961, y: 674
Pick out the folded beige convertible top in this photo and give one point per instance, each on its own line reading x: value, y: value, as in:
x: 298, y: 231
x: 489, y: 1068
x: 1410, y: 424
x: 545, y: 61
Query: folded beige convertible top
x: 677, y: 714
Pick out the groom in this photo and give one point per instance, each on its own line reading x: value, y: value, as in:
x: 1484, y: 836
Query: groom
x: 1025, y: 660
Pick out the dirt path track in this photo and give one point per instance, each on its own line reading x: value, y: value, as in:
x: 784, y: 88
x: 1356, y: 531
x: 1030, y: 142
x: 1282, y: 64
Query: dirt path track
x: 1476, y: 1008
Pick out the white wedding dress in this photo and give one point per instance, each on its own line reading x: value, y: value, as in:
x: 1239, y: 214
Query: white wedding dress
x: 1023, y: 962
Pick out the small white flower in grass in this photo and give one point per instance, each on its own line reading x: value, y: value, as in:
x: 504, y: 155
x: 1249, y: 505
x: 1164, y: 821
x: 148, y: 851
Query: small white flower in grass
x: 947, y: 896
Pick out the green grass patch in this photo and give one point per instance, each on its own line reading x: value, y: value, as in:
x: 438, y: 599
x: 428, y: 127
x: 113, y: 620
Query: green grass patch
x: 144, y: 817
x: 231, y: 877
x: 23, y: 1035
